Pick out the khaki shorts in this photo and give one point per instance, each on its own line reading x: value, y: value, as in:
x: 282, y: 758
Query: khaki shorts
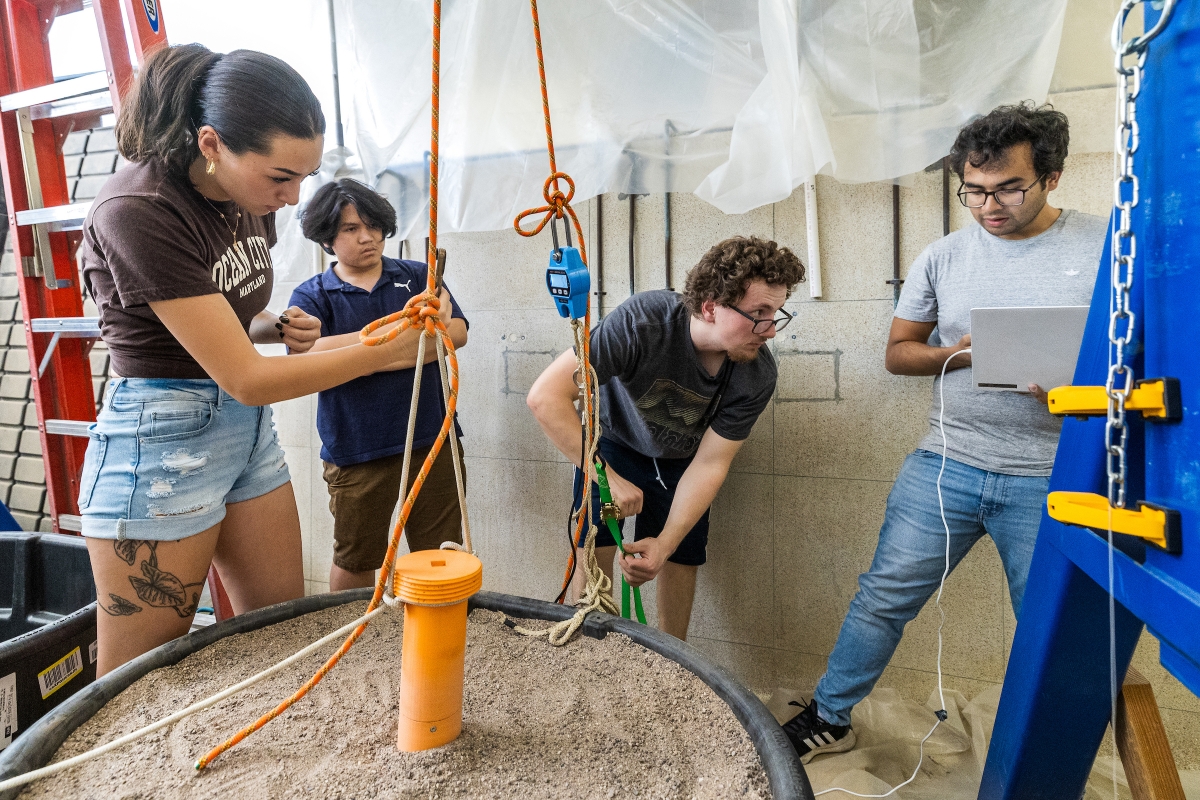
x: 363, y: 496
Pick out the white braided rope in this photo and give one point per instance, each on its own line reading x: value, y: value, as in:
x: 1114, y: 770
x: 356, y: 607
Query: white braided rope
x: 597, y: 593
x: 456, y: 457
x: 208, y: 702
x: 408, y: 439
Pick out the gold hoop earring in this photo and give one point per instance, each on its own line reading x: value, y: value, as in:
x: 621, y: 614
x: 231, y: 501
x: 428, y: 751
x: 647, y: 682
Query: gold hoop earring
x: 211, y: 169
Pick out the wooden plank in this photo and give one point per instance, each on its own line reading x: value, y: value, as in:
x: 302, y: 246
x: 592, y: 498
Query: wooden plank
x: 1142, y: 743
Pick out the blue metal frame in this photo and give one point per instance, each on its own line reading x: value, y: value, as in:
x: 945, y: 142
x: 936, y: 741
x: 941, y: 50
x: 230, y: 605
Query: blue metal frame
x: 1056, y: 702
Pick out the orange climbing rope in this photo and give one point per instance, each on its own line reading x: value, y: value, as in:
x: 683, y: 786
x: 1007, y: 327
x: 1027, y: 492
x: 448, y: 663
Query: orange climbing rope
x: 421, y: 312
x: 558, y: 206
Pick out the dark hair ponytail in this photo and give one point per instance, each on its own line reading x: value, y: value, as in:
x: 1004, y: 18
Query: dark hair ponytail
x: 246, y: 96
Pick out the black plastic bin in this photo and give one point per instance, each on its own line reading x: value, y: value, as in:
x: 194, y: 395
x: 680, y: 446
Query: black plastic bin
x: 784, y: 771
x: 47, y: 626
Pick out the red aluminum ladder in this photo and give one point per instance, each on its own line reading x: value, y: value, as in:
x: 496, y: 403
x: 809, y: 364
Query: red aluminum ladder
x: 36, y: 115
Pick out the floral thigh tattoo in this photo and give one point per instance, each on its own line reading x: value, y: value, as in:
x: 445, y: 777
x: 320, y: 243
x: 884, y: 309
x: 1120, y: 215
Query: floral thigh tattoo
x: 154, y: 587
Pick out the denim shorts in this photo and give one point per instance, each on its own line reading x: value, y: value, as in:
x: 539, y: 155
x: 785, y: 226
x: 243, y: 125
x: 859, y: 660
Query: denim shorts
x: 166, y: 455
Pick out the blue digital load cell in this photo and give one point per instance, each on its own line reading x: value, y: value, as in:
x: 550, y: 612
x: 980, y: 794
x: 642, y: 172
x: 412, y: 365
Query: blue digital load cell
x: 568, y: 280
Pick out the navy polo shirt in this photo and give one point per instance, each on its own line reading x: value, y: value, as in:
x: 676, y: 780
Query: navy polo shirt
x: 367, y: 418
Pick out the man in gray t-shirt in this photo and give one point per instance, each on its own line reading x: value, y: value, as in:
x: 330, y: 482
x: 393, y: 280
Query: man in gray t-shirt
x: 1006, y: 432
x: 999, y: 445
x: 682, y: 379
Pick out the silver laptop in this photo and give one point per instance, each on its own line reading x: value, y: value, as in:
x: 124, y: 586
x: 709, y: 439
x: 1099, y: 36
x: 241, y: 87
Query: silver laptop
x: 1014, y: 347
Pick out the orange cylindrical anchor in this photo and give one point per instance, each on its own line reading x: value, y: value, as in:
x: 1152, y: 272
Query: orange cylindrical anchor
x: 434, y: 586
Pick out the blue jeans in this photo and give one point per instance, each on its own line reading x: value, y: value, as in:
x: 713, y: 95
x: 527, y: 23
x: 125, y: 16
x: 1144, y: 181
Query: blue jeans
x: 167, y: 455
x: 911, y: 556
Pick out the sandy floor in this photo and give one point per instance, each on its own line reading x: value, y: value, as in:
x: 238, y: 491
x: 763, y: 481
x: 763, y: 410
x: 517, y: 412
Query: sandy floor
x: 888, y: 728
x: 595, y: 719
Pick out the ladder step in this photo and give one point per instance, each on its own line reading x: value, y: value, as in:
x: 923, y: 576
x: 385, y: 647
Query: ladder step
x: 68, y: 427
x: 68, y: 327
x: 70, y: 522
x: 96, y: 103
x: 59, y: 218
x: 61, y: 90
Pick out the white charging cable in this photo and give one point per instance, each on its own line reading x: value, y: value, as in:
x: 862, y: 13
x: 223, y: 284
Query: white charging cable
x: 941, y: 714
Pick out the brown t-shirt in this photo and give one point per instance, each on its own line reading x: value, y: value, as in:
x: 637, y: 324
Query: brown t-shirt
x: 151, y: 236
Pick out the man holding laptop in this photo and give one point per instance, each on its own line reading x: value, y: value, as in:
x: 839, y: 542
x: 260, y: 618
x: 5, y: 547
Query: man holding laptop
x: 1000, y: 444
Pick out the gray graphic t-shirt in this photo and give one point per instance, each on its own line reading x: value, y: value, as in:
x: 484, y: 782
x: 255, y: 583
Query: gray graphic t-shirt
x: 655, y: 396
x: 1006, y: 432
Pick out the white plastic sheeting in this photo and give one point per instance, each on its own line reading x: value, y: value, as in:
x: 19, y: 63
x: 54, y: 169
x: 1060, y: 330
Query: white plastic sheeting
x: 739, y: 102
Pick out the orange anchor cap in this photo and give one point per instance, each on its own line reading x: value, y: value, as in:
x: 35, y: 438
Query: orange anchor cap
x: 437, y: 577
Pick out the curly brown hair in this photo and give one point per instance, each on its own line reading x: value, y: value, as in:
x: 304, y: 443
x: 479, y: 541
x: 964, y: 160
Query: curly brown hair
x: 729, y: 266
x: 985, y: 140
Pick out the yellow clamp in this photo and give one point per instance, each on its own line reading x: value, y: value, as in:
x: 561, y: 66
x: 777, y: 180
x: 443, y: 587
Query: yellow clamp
x: 1157, y: 525
x: 1157, y: 398
x: 609, y: 511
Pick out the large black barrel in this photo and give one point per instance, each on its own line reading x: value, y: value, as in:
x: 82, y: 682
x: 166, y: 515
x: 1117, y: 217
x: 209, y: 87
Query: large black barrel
x: 47, y: 626
x: 782, y: 765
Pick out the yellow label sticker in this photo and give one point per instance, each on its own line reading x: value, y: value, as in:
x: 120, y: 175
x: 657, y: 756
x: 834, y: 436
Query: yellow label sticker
x: 53, y: 677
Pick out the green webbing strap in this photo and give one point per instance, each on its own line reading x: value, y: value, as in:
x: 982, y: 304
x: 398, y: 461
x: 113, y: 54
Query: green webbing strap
x: 606, y: 499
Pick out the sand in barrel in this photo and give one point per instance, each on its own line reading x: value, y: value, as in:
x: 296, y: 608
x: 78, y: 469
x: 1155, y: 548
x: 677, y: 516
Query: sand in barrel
x: 593, y: 719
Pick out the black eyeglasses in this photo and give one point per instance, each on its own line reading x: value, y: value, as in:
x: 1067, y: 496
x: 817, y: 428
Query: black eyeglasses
x: 761, y: 326
x: 974, y: 198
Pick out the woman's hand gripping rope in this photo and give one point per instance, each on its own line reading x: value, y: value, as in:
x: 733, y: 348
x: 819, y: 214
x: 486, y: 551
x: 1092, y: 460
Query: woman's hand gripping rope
x: 420, y: 312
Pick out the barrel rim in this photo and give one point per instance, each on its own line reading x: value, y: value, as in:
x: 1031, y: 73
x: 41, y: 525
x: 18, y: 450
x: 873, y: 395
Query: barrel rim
x: 50, y: 634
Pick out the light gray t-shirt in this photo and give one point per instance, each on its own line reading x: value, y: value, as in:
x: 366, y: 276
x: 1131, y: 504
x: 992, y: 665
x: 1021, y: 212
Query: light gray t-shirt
x: 655, y: 396
x: 1006, y: 432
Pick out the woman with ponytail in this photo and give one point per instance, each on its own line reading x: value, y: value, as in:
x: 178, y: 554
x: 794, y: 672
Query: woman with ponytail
x: 183, y: 468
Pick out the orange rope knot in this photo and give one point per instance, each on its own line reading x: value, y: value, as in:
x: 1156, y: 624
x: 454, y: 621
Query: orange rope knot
x: 558, y: 205
x: 420, y: 308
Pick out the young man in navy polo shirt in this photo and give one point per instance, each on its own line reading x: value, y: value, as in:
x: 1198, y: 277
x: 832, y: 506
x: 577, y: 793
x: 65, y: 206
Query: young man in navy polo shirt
x: 363, y: 423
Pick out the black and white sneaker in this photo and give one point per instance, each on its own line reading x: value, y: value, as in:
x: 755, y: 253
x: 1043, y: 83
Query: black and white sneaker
x: 811, y: 735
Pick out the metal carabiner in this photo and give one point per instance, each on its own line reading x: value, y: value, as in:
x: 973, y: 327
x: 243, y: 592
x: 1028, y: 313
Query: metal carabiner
x: 1137, y: 43
x: 554, y: 230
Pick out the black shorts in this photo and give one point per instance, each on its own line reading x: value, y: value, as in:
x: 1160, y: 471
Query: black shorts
x: 656, y: 500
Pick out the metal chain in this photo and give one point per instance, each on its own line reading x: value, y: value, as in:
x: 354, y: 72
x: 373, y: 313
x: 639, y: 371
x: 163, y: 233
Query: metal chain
x: 1122, y: 320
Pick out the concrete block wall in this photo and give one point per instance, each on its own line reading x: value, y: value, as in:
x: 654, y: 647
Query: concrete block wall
x: 90, y: 157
